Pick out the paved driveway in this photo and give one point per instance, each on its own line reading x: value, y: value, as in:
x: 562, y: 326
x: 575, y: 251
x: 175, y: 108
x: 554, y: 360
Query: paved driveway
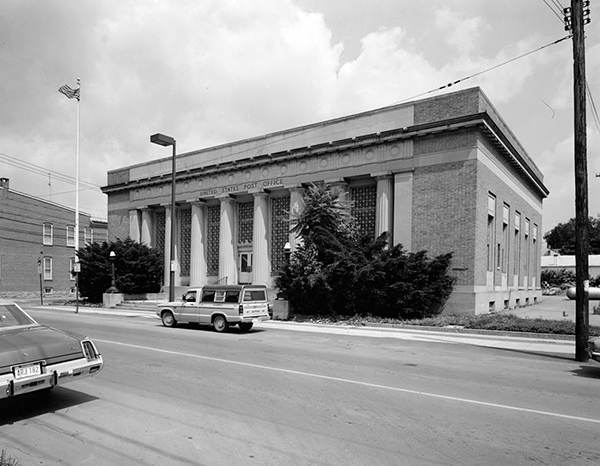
x: 556, y: 307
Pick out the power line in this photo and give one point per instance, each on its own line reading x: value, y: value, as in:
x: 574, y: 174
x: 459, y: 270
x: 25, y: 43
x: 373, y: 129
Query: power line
x: 318, y: 127
x: 557, y: 11
x: 41, y: 170
x: 486, y: 70
x: 593, y: 109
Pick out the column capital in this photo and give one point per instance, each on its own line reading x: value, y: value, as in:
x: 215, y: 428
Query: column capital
x: 260, y: 194
x: 226, y: 197
x: 336, y: 182
x: 382, y: 175
x: 296, y: 187
x: 198, y: 202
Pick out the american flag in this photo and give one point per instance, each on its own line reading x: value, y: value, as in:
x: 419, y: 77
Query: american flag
x: 70, y: 93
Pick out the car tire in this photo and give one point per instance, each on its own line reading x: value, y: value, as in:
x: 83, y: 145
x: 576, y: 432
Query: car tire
x: 245, y: 326
x: 220, y: 323
x: 168, y: 319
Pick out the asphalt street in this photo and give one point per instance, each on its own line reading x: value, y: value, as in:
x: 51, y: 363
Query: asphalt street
x: 306, y: 395
x: 550, y: 307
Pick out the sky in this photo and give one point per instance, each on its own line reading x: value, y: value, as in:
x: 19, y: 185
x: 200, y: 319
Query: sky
x: 216, y: 71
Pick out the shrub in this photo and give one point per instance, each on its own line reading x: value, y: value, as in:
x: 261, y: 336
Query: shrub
x: 339, y: 271
x: 557, y: 278
x: 7, y: 460
x: 138, y: 268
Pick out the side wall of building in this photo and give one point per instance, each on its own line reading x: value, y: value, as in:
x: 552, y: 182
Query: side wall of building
x: 26, y: 253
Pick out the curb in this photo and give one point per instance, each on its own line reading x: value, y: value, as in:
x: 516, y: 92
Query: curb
x: 383, y: 327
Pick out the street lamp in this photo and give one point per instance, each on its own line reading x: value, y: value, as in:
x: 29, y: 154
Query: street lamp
x: 113, y: 285
x: 163, y: 140
x: 287, y: 250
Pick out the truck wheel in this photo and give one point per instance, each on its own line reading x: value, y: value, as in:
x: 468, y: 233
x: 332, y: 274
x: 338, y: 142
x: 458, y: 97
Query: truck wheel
x: 245, y: 326
x: 220, y: 323
x: 168, y: 319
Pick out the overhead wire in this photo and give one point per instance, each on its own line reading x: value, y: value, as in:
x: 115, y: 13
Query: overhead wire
x: 593, y: 109
x: 318, y: 127
x: 558, y: 11
x: 33, y: 168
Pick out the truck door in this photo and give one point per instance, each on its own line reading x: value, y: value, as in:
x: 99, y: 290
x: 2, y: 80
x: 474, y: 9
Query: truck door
x: 206, y: 306
x: 188, y: 312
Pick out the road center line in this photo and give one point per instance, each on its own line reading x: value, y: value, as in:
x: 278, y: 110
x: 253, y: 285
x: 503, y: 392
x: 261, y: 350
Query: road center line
x: 356, y: 382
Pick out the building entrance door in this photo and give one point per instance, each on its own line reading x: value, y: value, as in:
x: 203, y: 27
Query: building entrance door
x: 245, y: 267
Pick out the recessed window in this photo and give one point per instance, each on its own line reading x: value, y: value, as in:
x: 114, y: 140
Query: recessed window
x: 70, y: 235
x: 48, y: 234
x: 88, y: 235
x: 47, y: 268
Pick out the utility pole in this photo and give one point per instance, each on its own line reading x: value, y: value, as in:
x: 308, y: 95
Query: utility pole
x: 575, y: 19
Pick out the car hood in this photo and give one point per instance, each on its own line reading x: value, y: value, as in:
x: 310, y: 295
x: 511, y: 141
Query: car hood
x: 35, y: 343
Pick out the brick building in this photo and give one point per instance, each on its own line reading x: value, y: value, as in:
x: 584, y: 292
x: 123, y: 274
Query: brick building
x: 33, y: 230
x: 443, y: 174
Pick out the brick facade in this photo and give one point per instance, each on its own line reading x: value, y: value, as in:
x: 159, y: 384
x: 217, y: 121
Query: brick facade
x: 22, y: 219
x: 432, y: 169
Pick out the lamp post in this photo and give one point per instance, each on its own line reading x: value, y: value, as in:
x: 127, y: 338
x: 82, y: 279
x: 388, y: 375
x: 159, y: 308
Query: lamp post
x: 113, y: 285
x: 163, y: 140
x: 287, y: 250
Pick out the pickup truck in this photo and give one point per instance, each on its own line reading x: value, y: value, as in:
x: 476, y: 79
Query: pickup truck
x: 218, y: 305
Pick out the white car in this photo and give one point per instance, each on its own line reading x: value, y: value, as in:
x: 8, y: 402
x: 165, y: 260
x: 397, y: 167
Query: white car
x: 218, y: 305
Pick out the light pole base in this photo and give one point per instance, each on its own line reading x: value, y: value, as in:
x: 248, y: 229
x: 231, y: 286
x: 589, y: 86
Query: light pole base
x: 110, y: 300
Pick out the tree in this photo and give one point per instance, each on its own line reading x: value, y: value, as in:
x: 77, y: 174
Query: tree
x: 337, y: 270
x: 562, y: 237
x: 138, y: 268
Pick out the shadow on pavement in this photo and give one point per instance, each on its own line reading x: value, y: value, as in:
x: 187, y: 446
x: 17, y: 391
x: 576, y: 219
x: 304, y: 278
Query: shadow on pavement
x: 531, y: 352
x: 589, y: 372
x: 34, y: 404
x: 208, y: 328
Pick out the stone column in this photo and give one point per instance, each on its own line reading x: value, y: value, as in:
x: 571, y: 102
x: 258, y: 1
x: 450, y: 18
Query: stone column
x: 296, y: 206
x: 403, y: 195
x: 342, y: 185
x: 198, y: 266
x: 134, y: 225
x: 261, y: 270
x: 147, y: 226
x: 227, y: 249
x: 384, y: 213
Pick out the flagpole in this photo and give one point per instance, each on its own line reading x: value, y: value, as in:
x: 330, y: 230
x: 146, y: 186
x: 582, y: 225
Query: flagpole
x: 77, y: 177
x: 77, y: 207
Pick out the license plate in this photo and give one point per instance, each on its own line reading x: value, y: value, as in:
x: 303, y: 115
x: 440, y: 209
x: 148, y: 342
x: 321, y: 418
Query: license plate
x: 30, y: 370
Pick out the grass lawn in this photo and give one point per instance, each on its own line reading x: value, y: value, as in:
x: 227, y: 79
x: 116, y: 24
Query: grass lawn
x: 502, y: 322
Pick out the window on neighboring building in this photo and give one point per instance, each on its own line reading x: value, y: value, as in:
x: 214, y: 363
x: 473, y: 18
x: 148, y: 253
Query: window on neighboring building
x: 47, y: 268
x: 88, y: 235
x: 491, y: 231
x: 48, y: 234
x: 70, y: 235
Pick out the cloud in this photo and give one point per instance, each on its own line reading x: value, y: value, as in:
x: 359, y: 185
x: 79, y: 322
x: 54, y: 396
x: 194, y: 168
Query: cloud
x: 218, y: 71
x: 460, y: 32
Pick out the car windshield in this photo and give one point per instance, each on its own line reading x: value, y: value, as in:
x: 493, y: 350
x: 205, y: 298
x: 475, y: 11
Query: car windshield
x: 12, y: 315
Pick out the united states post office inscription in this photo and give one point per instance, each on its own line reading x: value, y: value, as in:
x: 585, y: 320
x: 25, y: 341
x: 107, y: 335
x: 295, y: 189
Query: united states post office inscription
x: 243, y: 187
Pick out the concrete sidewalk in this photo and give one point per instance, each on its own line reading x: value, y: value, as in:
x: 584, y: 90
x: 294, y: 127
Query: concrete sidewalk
x: 554, y: 308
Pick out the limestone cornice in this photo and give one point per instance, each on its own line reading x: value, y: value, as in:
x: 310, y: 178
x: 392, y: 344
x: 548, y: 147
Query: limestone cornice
x: 481, y: 121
